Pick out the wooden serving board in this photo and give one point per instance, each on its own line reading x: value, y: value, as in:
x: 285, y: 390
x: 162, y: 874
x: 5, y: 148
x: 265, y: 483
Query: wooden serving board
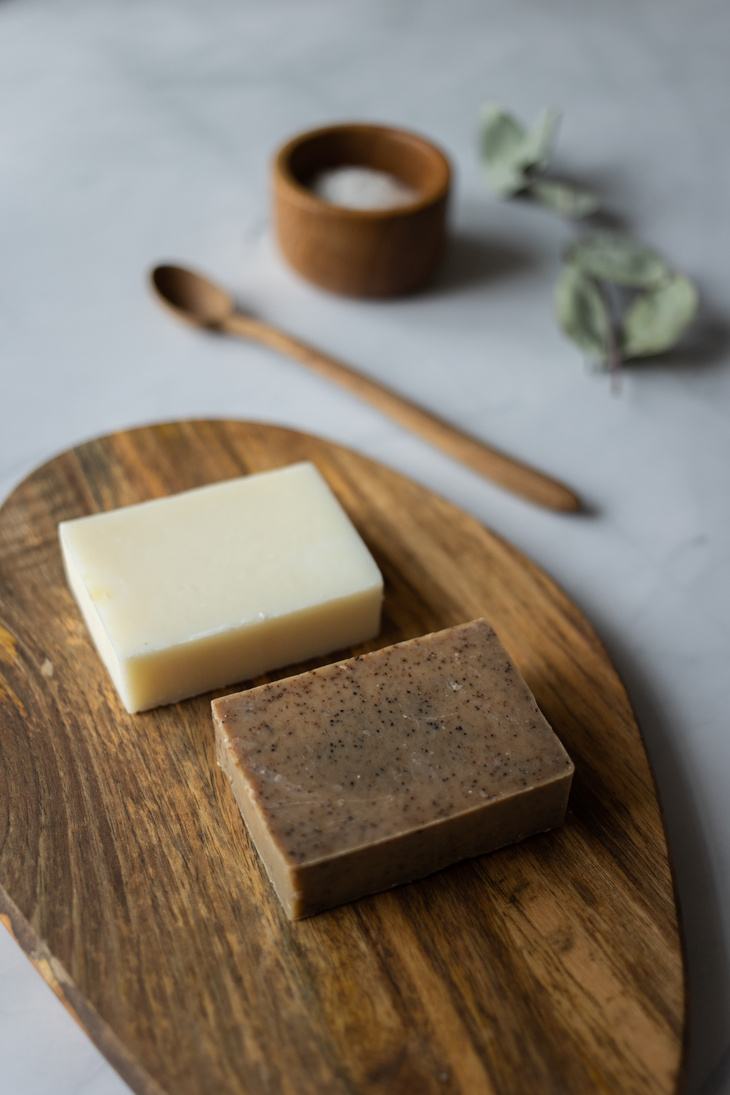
x: 553, y: 966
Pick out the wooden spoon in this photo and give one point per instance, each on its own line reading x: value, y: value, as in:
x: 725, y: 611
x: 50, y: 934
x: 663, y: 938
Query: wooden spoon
x: 201, y: 302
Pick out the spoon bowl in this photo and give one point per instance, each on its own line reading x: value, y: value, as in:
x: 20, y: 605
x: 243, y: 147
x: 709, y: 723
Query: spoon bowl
x: 192, y: 297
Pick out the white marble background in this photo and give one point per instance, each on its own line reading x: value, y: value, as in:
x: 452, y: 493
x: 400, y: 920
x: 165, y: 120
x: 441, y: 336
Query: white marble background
x: 135, y: 131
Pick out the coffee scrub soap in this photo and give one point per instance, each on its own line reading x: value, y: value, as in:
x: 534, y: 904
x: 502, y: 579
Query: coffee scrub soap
x: 381, y: 769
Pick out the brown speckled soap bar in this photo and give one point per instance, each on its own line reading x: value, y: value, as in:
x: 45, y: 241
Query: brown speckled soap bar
x: 375, y: 771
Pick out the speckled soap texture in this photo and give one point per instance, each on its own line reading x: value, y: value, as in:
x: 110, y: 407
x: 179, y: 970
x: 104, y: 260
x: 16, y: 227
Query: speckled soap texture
x: 381, y: 769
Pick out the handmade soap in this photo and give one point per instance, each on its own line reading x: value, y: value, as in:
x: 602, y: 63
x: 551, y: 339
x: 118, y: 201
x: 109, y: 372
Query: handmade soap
x: 220, y: 584
x: 378, y: 770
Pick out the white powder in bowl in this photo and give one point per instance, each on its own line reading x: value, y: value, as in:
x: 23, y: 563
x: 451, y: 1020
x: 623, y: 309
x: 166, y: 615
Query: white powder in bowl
x: 362, y: 188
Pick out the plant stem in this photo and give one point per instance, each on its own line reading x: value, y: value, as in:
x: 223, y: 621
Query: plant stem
x: 615, y: 358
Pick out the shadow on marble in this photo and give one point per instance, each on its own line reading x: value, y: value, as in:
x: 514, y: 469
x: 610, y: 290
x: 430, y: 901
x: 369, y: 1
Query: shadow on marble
x: 480, y: 255
x: 719, y: 1079
x: 472, y: 259
x: 708, y: 967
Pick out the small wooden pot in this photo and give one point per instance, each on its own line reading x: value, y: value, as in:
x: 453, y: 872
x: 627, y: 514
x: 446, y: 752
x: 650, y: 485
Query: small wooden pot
x: 362, y: 253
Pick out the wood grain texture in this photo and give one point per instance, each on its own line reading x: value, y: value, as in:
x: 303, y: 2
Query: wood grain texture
x: 553, y: 967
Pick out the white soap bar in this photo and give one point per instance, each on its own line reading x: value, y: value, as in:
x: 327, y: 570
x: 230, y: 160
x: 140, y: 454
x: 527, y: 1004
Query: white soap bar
x: 220, y: 584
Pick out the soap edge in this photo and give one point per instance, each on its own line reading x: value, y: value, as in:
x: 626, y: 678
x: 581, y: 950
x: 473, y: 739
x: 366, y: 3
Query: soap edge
x: 294, y: 897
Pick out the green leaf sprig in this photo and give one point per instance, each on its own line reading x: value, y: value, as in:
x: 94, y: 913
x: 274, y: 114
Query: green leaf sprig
x: 619, y: 300
x: 615, y: 298
x: 515, y: 159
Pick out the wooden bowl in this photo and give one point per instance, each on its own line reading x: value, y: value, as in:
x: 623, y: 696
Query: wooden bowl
x: 358, y: 252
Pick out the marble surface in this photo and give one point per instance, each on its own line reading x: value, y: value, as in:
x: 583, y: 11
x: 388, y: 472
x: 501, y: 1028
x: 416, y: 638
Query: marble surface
x: 134, y: 132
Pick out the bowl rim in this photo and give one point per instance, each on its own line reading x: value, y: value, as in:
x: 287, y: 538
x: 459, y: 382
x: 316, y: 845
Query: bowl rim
x: 284, y: 177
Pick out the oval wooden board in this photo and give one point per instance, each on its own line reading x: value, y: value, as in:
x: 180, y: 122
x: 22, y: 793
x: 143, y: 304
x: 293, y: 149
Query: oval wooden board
x: 554, y: 966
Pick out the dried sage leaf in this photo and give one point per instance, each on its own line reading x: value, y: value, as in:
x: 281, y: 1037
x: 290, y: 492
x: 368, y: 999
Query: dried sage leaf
x: 656, y: 319
x: 614, y: 257
x: 568, y: 201
x: 583, y: 313
x: 502, y: 138
x: 538, y: 142
x: 591, y: 302
x: 509, y: 151
x: 506, y: 179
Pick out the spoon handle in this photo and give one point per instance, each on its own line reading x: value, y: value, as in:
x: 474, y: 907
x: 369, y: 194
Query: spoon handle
x: 509, y: 473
